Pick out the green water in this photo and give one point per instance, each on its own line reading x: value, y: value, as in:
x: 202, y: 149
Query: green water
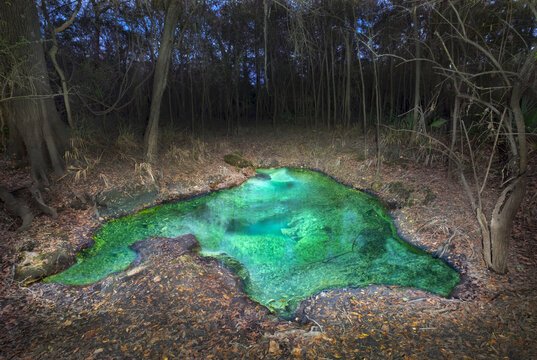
x: 289, y: 233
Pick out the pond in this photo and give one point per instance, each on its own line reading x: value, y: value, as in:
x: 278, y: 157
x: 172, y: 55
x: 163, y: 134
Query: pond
x: 288, y: 233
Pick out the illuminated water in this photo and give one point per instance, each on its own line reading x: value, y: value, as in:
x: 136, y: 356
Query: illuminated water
x: 295, y: 232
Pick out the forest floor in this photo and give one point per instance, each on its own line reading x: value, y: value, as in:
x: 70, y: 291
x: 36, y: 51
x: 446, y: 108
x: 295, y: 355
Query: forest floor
x: 176, y: 304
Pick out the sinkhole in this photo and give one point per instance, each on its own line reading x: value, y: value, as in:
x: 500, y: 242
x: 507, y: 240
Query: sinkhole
x: 288, y: 233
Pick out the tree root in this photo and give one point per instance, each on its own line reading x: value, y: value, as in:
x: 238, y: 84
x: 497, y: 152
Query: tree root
x: 20, y: 208
x: 38, y: 197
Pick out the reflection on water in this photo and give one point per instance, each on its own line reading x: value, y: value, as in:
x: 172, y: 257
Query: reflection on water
x: 292, y: 233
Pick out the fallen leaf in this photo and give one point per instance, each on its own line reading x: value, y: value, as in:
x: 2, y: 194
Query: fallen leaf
x: 274, y: 347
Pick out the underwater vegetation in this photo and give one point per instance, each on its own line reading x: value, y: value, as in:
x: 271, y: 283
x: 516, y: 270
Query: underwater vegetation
x: 288, y: 233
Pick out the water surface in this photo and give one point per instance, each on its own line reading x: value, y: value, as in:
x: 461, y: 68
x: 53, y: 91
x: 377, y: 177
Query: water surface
x: 289, y: 233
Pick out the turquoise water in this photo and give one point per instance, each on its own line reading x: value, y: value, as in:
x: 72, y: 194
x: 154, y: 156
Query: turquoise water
x: 289, y: 233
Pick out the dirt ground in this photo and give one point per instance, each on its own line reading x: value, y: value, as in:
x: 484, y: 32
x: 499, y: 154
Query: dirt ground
x: 172, y: 303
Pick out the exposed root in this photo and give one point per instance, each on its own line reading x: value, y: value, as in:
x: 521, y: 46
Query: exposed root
x: 18, y: 208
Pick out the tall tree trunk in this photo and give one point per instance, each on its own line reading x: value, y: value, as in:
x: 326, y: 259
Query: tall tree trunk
x: 417, y: 74
x: 159, y: 80
x: 362, y: 86
x: 191, y: 91
x: 30, y: 111
x: 455, y: 116
x: 496, y: 236
x: 348, y: 80
x: 96, y: 36
x: 328, y: 93
x: 392, y: 102
x: 266, y: 7
x: 378, y: 115
x: 334, y: 87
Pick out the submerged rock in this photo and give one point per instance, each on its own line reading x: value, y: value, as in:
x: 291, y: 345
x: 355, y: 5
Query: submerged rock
x: 116, y: 203
x: 263, y: 176
x: 236, y: 266
x: 152, y: 247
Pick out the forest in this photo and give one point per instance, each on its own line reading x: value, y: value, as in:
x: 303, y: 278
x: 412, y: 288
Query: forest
x: 111, y: 107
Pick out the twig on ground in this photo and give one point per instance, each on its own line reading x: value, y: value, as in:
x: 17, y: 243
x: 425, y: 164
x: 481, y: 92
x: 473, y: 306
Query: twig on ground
x: 442, y: 248
x: 319, y: 325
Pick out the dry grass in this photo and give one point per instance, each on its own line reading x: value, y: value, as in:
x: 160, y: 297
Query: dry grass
x: 190, y: 149
x: 127, y: 143
x: 80, y: 158
x: 146, y: 172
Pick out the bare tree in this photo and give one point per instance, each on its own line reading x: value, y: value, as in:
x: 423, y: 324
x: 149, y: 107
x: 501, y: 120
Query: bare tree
x: 498, y: 89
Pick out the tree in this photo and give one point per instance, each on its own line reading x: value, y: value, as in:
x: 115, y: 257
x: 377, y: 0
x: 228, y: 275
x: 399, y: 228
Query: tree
x: 35, y: 127
x: 495, y: 79
x: 417, y: 119
x: 54, y: 50
x: 173, y: 10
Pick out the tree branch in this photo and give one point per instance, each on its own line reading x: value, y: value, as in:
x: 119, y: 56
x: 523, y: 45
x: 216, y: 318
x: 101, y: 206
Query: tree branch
x: 68, y: 23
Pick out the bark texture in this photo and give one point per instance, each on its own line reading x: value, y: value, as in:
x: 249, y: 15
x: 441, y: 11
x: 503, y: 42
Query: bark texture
x: 159, y: 80
x: 416, y: 124
x: 32, y: 116
x: 497, y: 234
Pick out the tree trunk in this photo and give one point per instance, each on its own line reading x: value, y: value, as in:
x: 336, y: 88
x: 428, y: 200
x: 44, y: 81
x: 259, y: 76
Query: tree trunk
x: 362, y: 84
x: 348, y: 81
x: 159, y: 79
x: 455, y: 115
x: 496, y: 239
x: 30, y: 109
x: 378, y: 115
x: 417, y: 79
x: 54, y: 50
x: 496, y: 244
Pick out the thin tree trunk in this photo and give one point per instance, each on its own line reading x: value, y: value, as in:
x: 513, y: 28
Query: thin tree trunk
x: 316, y: 95
x: 334, y: 88
x: 192, y: 113
x: 348, y: 81
x: 328, y: 94
x: 454, y: 121
x: 265, y: 40
x: 378, y: 114
x: 362, y: 83
x: 59, y: 70
x: 170, y: 110
x: 159, y: 80
x: 52, y: 53
x: 392, y: 102
x: 417, y: 100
